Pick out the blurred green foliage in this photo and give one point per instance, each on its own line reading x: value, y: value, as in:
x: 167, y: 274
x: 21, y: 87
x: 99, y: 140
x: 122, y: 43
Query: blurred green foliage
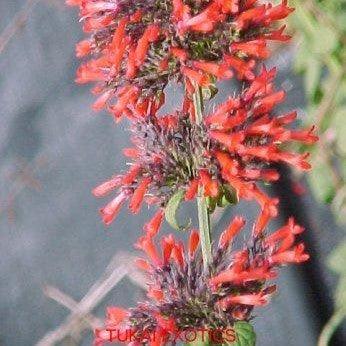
x: 320, y: 32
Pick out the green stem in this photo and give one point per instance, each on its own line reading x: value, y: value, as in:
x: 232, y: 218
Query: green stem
x: 203, y: 213
x: 331, y: 327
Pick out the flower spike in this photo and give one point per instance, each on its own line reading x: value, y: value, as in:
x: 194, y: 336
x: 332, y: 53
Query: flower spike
x: 181, y: 295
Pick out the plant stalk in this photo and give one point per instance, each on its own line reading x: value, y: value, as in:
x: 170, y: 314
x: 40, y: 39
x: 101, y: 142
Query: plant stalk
x: 202, y: 206
x: 331, y: 326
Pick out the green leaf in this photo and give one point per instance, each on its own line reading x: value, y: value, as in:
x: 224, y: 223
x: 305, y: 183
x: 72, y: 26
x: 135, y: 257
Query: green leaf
x: 172, y: 209
x: 227, y: 195
x: 222, y: 201
x: 245, y: 334
x: 212, y: 204
x: 209, y: 92
x: 230, y: 194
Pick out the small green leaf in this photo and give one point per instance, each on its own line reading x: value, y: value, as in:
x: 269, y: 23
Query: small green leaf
x: 245, y: 334
x: 222, y: 201
x: 212, y: 204
x: 230, y: 194
x: 226, y: 196
x: 209, y: 92
x: 171, y: 211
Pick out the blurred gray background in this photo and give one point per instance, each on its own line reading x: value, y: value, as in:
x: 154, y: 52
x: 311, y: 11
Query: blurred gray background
x: 54, y: 150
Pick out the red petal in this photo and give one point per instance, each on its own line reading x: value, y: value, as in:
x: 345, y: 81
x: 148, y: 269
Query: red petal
x: 152, y: 227
x: 232, y: 230
x: 138, y: 195
x: 193, y: 242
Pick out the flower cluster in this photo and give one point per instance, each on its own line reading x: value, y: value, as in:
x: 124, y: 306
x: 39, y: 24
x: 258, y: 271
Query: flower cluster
x: 232, y: 149
x: 180, y: 293
x: 138, y: 46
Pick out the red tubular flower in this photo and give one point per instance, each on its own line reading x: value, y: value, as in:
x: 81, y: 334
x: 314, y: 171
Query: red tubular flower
x: 233, y: 141
x: 227, y: 236
x: 220, y: 71
x: 196, y: 77
x: 250, y: 16
x: 180, y: 11
x: 263, y: 83
x: 229, y: 6
x: 155, y: 294
x: 192, y: 190
x: 152, y: 227
x: 282, y: 245
x: 83, y: 48
x: 305, y: 136
x: 210, y: 186
x: 146, y: 244
x: 266, y: 104
x: 203, y: 22
x: 142, y: 264
x: 295, y: 255
x: 142, y: 45
x: 262, y: 221
x: 229, y: 165
x: 138, y: 195
x: 220, y: 116
x: 278, y: 35
x: 116, y: 315
x: 251, y: 274
x: 278, y: 12
x: 178, y: 255
x: 167, y: 244
x: 243, y: 68
x: 108, y: 186
x: 290, y: 228
x: 258, y: 299
x: 255, y: 48
x: 193, y: 242
x: 110, y: 211
x: 150, y: 35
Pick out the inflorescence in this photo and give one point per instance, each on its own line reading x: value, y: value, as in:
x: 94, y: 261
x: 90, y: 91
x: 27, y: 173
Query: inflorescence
x: 180, y: 296
x: 136, y: 48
